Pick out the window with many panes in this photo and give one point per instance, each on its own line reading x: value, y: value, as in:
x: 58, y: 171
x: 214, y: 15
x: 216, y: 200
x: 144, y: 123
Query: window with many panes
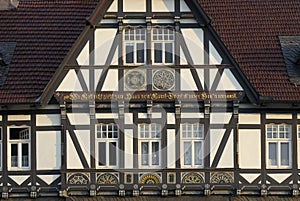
x: 107, y: 136
x: 19, y: 147
x: 278, y: 146
x: 135, y: 46
x: 149, y: 145
x: 192, y: 139
x: 163, y: 46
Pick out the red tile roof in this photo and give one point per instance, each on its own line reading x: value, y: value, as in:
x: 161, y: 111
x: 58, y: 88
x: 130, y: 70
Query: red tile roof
x: 44, y: 31
x: 251, y: 30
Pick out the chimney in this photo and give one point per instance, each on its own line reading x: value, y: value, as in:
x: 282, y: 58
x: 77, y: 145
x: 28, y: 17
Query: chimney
x: 8, y: 4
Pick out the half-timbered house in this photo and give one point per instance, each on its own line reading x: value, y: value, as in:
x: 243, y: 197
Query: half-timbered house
x: 149, y: 97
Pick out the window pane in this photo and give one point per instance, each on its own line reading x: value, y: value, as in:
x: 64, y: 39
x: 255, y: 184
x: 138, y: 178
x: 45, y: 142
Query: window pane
x: 102, y: 153
x: 140, y: 53
x: 273, y: 154
x: 112, y: 153
x: 187, y: 153
x: 155, y: 153
x: 147, y: 131
x: 285, y: 152
x: 197, y: 154
x: 157, y: 53
x: 129, y: 53
x: 18, y: 133
x: 14, y: 155
x: 145, y: 153
x: 275, y: 132
x: 168, y: 53
x: 25, y: 155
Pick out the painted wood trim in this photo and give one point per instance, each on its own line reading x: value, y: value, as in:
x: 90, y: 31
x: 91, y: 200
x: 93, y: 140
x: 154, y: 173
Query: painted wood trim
x: 190, y: 61
x: 92, y: 140
x: 63, y: 148
x: 108, y: 61
x: 263, y: 148
x: 217, y: 79
x: 76, y: 144
x: 99, y: 12
x: 295, y: 149
x: 81, y: 80
x: 33, y: 158
x: 4, y: 151
x: 224, y: 141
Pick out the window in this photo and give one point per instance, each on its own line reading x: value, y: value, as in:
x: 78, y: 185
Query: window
x: 192, y: 139
x: 163, y: 46
x: 278, y: 146
x: 107, y: 145
x: 19, y: 147
x: 149, y: 145
x: 135, y: 46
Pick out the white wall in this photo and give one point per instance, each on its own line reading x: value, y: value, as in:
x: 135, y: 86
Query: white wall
x: 73, y: 160
x: 163, y: 5
x: 128, y: 134
x: 249, y: 118
x: 111, y: 82
x: 70, y: 82
x: 83, y: 57
x: 171, y: 148
x: 134, y: 6
x: 48, y: 145
x: 194, y: 40
x: 250, y: 148
x: 103, y: 43
x: 187, y: 82
x: 48, y: 120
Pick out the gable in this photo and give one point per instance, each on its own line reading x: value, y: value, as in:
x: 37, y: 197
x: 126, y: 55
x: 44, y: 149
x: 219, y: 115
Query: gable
x: 163, y: 46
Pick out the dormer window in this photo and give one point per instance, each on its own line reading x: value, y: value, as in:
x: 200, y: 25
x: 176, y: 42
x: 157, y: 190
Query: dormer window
x: 2, y: 62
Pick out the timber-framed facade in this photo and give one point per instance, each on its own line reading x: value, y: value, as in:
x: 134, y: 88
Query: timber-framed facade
x: 147, y: 100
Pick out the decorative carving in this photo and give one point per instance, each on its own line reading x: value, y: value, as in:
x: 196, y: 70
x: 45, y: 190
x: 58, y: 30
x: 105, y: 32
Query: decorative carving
x: 193, y: 178
x: 222, y: 177
x: 150, y: 178
x: 135, y: 80
x: 78, y: 179
x: 107, y: 178
x: 163, y: 80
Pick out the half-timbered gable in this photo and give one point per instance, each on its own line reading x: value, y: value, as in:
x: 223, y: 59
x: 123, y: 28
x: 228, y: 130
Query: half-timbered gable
x: 150, y: 87
x: 148, y: 97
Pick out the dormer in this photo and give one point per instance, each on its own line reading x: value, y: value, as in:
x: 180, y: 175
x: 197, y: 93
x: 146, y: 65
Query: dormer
x: 290, y: 46
x: 6, y: 54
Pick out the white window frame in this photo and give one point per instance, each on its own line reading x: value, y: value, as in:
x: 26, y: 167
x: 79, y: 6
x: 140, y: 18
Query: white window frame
x: 165, y: 38
x: 145, y: 135
x: 137, y: 39
x: 107, y: 140
x: 275, y: 135
x: 192, y: 133
x: 19, y: 143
